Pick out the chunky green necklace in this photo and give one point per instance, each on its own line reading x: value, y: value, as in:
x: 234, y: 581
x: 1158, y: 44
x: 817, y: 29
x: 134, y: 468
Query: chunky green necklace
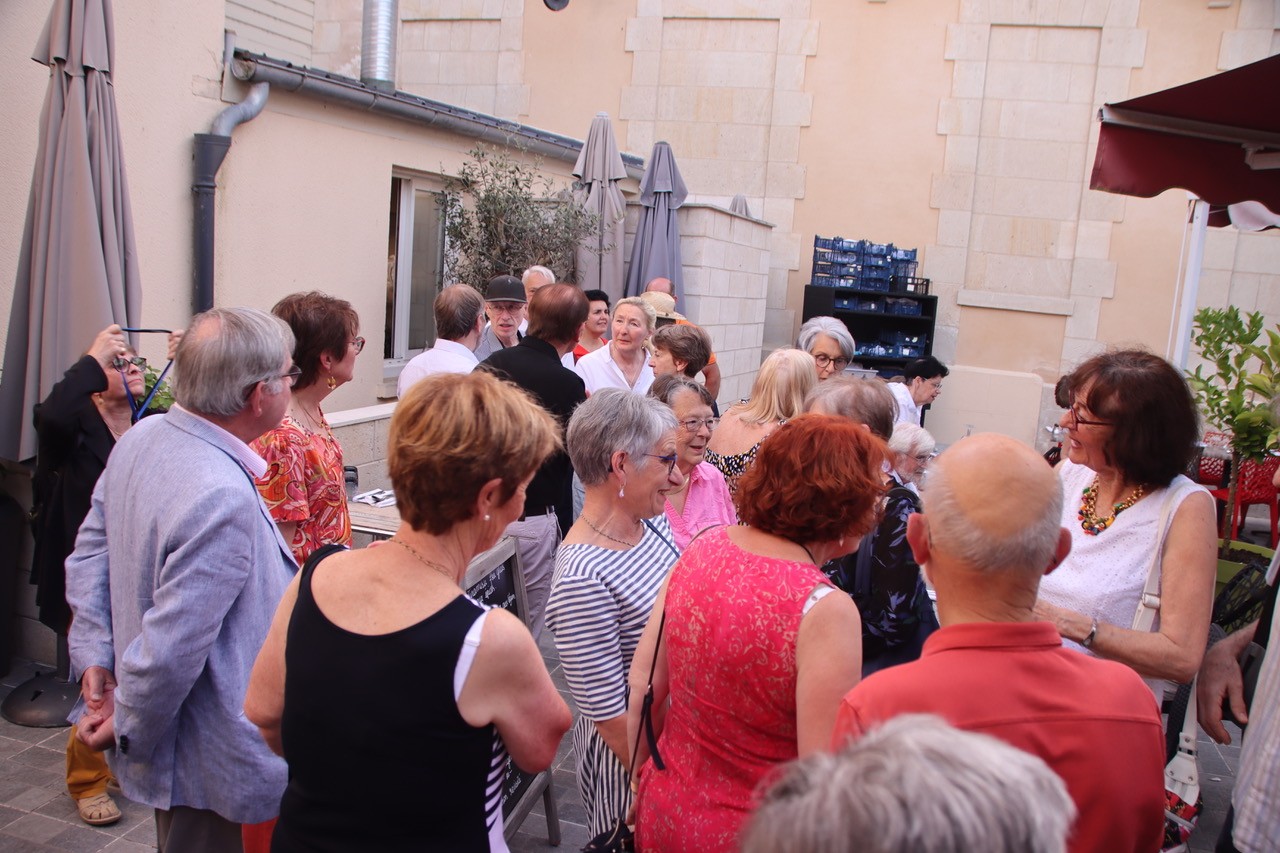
x: 1088, y: 515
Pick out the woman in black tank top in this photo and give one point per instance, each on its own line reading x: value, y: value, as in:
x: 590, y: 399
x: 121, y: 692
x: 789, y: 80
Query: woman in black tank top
x: 393, y: 696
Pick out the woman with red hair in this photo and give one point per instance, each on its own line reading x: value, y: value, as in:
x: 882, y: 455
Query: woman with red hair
x: 751, y: 650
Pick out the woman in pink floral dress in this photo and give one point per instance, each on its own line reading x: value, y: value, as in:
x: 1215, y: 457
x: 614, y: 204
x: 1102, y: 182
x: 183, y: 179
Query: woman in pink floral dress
x: 754, y: 653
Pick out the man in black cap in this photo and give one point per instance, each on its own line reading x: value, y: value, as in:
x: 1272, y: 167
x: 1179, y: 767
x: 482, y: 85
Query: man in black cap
x: 556, y: 315
x: 505, y: 305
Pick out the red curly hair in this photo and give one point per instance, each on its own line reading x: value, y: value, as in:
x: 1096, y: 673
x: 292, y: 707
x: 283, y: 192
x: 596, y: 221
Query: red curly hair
x: 815, y: 478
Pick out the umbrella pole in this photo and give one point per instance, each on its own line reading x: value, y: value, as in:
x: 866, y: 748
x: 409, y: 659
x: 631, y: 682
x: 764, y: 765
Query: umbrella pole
x: 1197, y: 229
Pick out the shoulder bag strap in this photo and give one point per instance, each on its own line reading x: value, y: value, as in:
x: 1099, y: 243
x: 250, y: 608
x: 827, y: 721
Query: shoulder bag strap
x: 1149, y: 604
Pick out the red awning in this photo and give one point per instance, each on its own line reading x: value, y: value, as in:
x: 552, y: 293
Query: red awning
x: 1218, y: 137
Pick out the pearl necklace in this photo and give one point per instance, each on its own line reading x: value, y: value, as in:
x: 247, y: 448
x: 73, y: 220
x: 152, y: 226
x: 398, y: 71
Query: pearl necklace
x: 1088, y: 515
x: 612, y: 538
x: 439, y: 567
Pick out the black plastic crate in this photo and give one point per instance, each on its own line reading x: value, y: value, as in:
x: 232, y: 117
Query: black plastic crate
x: 821, y: 280
x: 826, y: 242
x: 911, y: 284
x: 910, y: 351
x: 880, y: 250
x: 897, y: 254
x: 864, y: 303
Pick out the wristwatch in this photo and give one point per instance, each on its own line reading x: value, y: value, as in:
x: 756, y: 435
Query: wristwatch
x: 1087, y: 642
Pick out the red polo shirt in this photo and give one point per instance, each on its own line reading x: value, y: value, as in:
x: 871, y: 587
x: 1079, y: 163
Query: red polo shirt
x: 1093, y: 721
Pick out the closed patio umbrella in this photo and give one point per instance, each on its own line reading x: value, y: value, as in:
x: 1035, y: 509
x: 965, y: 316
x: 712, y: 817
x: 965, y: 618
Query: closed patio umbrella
x: 656, y: 252
x: 739, y: 205
x: 77, y: 268
x: 599, y: 168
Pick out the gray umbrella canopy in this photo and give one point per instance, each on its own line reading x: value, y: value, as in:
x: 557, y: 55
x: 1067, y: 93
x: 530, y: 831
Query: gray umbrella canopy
x: 599, y: 168
x: 739, y: 205
x: 656, y: 252
x: 77, y: 270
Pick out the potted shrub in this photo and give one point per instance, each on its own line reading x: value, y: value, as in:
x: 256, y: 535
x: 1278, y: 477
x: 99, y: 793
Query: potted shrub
x: 1236, y: 384
x: 501, y: 217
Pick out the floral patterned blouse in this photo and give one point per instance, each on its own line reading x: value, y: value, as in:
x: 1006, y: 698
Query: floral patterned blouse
x: 304, y: 483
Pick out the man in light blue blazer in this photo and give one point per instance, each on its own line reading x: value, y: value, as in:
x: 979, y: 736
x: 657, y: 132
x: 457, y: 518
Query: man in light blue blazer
x: 176, y: 574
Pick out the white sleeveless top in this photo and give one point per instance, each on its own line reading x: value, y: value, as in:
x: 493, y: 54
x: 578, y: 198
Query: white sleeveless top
x: 1103, y: 576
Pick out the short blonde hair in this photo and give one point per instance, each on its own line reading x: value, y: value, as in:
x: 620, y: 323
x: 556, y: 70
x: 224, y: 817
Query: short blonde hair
x: 451, y: 434
x: 785, y: 379
x: 650, y: 315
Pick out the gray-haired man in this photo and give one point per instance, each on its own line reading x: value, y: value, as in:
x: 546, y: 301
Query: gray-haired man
x: 176, y: 574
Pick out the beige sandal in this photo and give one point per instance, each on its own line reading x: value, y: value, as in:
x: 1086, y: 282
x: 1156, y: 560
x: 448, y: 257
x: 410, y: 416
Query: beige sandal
x: 98, y: 810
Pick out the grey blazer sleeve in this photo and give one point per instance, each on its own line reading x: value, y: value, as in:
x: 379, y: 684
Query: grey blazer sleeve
x: 89, y: 594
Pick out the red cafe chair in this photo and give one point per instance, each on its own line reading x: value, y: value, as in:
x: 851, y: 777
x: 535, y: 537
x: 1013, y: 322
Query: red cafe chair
x: 1255, y: 487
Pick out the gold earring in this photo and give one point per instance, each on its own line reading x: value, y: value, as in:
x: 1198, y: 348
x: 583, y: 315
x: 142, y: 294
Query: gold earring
x: 333, y: 383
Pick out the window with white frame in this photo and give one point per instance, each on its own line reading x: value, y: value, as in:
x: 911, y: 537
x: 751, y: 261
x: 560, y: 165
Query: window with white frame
x: 415, y: 266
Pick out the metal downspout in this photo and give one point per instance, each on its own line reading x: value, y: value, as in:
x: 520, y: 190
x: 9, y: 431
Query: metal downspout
x: 210, y: 150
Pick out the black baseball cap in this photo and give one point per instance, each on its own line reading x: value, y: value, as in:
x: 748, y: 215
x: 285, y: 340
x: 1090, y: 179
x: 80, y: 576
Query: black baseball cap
x: 505, y: 288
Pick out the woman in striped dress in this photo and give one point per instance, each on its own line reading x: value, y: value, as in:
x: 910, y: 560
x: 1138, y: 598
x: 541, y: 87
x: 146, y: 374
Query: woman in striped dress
x: 608, y: 572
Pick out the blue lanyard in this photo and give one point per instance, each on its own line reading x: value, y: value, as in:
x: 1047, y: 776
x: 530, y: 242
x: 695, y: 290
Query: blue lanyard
x: 136, y: 408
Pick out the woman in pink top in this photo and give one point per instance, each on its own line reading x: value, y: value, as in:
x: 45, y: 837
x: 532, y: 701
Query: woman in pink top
x: 703, y: 500
x: 755, y: 653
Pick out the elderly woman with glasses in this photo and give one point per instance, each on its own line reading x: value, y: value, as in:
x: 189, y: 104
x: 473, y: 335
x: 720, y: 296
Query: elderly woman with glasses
x: 304, y: 486
x: 703, y: 499
x: 912, y: 448
x: 882, y: 575
x: 749, y: 650
x: 607, y: 575
x: 1131, y: 429
x: 829, y: 342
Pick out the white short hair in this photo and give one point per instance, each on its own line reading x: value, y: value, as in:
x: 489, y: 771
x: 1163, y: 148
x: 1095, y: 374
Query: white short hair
x: 830, y: 327
x: 915, y: 785
x: 613, y: 420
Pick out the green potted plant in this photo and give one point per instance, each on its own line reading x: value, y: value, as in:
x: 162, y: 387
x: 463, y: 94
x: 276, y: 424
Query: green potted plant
x: 1236, y: 384
x: 501, y: 216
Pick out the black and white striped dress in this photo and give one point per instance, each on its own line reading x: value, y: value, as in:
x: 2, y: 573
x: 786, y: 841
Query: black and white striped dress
x: 599, y: 604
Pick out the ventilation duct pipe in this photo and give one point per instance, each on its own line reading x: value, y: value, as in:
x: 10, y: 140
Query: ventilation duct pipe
x: 380, y: 22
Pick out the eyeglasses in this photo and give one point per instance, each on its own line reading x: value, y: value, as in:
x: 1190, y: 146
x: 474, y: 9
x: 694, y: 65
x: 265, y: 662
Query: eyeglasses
x: 510, y: 308
x: 695, y: 424
x: 823, y: 360
x: 670, y: 460
x: 1074, y: 411
x: 121, y: 363
x: 292, y: 376
x: 924, y: 458
x: 358, y: 343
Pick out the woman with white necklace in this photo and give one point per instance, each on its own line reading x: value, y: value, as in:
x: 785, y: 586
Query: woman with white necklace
x: 608, y: 571
x: 77, y: 426
x: 304, y: 486
x: 624, y: 362
x: 1131, y: 427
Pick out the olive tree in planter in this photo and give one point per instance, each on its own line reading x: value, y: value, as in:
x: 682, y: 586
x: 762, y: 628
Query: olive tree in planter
x: 502, y: 216
x: 1235, y: 392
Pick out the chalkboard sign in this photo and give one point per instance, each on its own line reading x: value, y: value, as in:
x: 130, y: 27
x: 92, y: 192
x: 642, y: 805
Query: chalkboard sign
x: 495, y: 578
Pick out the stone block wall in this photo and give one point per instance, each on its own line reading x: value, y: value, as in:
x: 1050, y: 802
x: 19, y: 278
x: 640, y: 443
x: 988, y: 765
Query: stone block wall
x: 726, y: 260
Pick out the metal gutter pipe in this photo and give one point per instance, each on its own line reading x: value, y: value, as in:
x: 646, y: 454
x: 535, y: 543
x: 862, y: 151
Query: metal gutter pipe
x: 411, y: 108
x: 210, y: 150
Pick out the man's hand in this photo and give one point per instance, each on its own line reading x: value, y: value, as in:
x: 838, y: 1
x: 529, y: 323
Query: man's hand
x: 109, y: 345
x: 96, y: 731
x: 175, y: 338
x: 1220, y: 678
x: 97, y: 688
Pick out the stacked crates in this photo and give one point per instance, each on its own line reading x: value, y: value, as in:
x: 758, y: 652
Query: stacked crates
x: 866, y: 266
